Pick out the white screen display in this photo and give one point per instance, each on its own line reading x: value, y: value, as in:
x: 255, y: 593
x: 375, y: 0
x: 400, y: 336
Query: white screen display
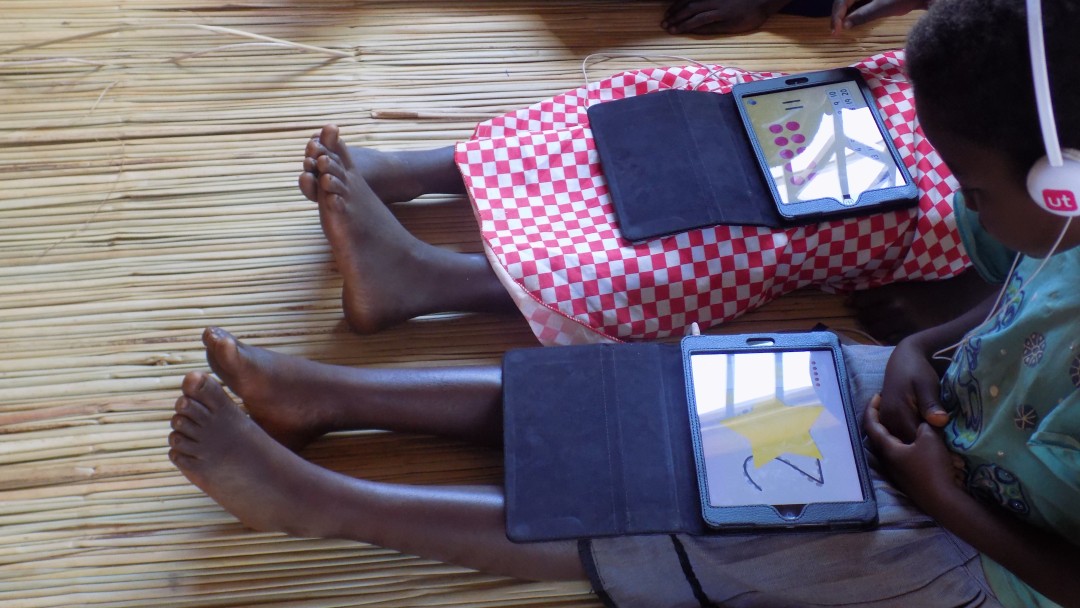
x: 821, y: 142
x: 773, y: 430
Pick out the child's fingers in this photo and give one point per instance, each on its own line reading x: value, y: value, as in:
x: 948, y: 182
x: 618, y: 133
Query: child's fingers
x: 872, y: 415
x: 925, y: 432
x: 958, y: 461
x: 875, y: 404
x: 880, y: 437
x: 839, y: 13
x: 959, y: 470
x: 867, y: 12
x: 873, y: 408
x: 928, y: 402
x: 676, y: 6
x: 873, y: 10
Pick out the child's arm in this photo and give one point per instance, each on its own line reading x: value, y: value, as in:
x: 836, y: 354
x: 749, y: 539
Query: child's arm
x: 912, y: 387
x: 922, y: 469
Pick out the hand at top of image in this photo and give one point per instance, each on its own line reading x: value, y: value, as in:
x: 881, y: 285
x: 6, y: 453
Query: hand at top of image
x: 718, y: 16
x: 847, y: 14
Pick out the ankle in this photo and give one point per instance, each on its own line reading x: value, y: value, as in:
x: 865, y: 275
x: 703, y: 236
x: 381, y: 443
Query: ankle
x: 434, y: 170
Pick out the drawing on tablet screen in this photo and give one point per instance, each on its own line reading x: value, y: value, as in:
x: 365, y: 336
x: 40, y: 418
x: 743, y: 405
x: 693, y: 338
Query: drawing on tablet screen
x: 821, y: 142
x: 773, y: 429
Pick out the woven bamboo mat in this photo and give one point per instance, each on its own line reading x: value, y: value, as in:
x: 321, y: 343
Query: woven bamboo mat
x: 148, y: 166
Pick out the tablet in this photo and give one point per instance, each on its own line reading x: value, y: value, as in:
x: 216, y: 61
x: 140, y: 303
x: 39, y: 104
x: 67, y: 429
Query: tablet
x: 822, y: 146
x: 774, y: 434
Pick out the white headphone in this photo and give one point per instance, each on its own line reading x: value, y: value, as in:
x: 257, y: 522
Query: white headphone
x: 1054, y: 180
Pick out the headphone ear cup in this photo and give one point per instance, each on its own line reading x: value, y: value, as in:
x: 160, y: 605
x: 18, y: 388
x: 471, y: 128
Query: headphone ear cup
x: 1055, y: 189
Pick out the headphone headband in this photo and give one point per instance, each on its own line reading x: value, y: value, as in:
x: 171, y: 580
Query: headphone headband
x: 1043, y: 103
x: 1054, y: 181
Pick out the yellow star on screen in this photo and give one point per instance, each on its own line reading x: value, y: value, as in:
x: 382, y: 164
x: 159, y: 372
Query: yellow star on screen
x: 774, y: 428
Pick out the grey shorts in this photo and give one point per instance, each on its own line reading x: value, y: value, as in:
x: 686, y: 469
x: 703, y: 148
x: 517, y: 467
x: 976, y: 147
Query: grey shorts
x: 907, y: 561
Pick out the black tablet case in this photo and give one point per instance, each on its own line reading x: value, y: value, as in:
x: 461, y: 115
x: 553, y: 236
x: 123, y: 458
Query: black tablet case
x: 676, y: 160
x: 597, y: 442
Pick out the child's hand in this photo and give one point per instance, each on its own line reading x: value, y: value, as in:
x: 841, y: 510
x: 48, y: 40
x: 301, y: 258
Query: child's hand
x: 718, y: 16
x: 845, y: 18
x: 911, y: 391
x: 923, y: 468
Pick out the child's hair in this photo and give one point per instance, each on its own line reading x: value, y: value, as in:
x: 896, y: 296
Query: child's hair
x: 969, y: 60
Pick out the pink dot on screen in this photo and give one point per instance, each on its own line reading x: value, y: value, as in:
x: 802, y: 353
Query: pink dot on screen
x: 811, y: 176
x: 780, y: 141
x: 801, y: 149
x: 793, y: 126
x: 787, y: 154
x: 798, y: 138
x: 798, y: 180
x: 775, y: 128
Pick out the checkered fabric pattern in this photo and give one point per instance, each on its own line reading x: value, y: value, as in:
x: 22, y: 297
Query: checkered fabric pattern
x: 550, y: 230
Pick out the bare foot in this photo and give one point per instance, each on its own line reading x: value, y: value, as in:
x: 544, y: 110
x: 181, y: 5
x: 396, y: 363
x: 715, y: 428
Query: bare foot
x: 389, y: 174
x: 892, y: 312
x: 294, y: 400
x: 390, y: 276
x: 223, y: 452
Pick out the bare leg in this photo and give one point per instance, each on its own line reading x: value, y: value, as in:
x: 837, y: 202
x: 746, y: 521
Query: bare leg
x: 891, y: 312
x: 295, y: 400
x: 390, y: 275
x: 267, y: 487
x: 395, y: 177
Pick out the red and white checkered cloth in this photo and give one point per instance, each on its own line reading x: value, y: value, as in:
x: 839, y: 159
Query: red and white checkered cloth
x: 551, y: 234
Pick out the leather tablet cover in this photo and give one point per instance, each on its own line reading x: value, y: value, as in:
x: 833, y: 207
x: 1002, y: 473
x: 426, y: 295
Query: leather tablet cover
x: 676, y: 160
x: 598, y: 443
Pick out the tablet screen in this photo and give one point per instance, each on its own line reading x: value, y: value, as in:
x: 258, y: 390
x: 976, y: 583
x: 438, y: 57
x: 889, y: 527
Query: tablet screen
x: 772, y: 429
x: 821, y: 142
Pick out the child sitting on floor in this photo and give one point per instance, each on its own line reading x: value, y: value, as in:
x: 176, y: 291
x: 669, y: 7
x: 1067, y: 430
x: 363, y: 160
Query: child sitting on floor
x: 552, y: 245
x: 1007, y: 534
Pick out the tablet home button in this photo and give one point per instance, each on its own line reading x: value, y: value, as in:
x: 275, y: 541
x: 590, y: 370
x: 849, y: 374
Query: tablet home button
x: 789, y: 512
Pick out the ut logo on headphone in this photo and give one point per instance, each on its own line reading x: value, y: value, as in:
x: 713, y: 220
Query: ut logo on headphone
x: 1062, y: 201
x: 1055, y: 188
x: 1054, y: 180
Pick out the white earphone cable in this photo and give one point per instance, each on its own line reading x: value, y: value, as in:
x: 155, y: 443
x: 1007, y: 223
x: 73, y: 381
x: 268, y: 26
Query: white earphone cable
x: 647, y: 56
x: 940, y: 355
